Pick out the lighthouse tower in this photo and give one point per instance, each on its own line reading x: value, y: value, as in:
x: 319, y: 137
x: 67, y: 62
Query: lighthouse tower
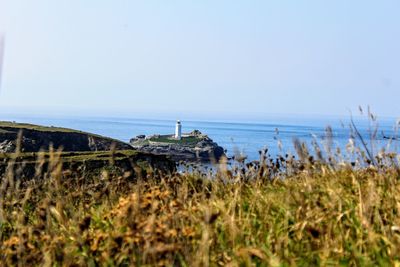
x: 178, y: 130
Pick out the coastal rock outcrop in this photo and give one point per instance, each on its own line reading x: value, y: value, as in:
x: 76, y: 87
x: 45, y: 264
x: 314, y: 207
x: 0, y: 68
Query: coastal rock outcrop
x: 192, y: 147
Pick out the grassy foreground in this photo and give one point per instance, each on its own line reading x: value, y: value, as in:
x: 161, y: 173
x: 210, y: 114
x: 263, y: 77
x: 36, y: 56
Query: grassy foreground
x: 319, y: 214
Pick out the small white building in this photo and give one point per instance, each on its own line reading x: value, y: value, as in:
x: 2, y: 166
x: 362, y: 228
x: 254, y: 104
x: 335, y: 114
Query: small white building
x: 178, y: 130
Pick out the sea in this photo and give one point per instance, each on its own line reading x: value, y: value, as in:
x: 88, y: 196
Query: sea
x: 239, y: 137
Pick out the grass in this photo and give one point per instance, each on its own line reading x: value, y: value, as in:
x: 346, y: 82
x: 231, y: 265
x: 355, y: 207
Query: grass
x: 189, y: 140
x: 7, y: 124
x: 310, y: 211
x: 337, y: 217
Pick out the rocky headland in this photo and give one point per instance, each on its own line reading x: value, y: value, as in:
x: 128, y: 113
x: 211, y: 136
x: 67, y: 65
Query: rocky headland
x: 33, y: 138
x: 87, y: 152
x: 192, y: 147
x: 27, y: 148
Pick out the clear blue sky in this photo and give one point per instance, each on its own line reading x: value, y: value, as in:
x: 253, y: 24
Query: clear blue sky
x: 201, y: 57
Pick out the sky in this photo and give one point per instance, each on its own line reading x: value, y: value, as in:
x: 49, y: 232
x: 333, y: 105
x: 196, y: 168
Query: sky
x: 205, y: 58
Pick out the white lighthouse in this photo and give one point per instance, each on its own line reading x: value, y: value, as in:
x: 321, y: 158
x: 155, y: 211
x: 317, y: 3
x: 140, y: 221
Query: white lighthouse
x: 178, y: 130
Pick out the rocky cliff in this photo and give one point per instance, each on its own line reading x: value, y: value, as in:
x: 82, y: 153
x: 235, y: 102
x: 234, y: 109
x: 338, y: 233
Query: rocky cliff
x: 33, y: 138
x: 193, y: 147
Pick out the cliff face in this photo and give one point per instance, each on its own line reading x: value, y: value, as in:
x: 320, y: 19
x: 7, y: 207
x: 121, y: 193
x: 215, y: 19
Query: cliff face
x: 35, y: 138
x: 193, y: 147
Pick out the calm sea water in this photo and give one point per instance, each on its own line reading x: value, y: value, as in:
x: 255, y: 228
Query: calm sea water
x: 236, y: 137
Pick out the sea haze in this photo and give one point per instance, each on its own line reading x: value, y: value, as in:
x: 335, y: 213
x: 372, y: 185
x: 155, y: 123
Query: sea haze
x: 247, y: 138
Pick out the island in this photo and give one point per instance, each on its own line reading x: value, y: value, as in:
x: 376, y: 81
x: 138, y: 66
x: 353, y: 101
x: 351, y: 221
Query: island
x: 190, y: 147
